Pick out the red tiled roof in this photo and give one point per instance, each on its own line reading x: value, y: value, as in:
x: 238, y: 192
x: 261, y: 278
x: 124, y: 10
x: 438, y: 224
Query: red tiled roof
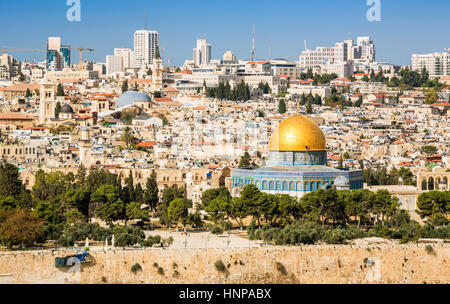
x: 163, y: 99
x: 146, y: 144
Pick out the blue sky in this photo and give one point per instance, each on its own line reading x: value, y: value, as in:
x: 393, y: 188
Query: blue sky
x: 407, y: 26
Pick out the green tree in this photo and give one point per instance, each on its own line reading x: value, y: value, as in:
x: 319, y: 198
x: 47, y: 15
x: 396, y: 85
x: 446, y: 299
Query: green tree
x: 8, y: 203
x: 309, y: 108
x: 432, y: 96
x: 28, y: 93
x: 60, y: 90
x: 245, y: 161
x: 384, y: 205
x: 110, y: 207
x: 281, y: 106
x: 151, y: 192
x: 251, y: 196
x: 57, y: 109
x: 237, y: 210
x: 10, y: 180
x: 127, y: 136
x: 434, y: 205
x: 430, y: 150
x: 168, y: 195
x: 47, y: 212
x: 124, y: 86
x: 134, y: 212
x: 178, y: 211
x: 217, y: 207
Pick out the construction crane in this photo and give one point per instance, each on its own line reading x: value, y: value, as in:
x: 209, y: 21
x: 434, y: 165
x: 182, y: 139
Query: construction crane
x: 81, y: 50
x: 5, y: 50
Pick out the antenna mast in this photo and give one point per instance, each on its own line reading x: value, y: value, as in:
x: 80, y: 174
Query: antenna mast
x: 253, y: 44
x: 145, y: 21
x: 270, y: 48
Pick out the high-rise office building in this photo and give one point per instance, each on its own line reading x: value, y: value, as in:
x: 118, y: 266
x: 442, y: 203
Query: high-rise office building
x: 202, y: 54
x: 366, y: 49
x: 58, y: 56
x: 127, y: 57
x: 145, y: 44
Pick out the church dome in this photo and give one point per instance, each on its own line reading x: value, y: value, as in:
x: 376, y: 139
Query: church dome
x: 66, y: 109
x: 298, y: 133
x: 131, y: 97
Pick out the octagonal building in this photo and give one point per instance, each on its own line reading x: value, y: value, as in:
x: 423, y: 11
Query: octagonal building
x: 297, y: 163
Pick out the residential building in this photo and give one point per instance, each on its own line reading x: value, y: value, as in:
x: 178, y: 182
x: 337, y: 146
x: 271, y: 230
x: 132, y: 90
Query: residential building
x: 437, y: 64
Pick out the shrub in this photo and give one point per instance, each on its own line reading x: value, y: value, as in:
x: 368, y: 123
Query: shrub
x: 66, y: 241
x: 429, y: 249
x: 160, y: 271
x: 226, y: 226
x: 136, y: 267
x: 151, y: 241
x: 53, y: 232
x: 382, y: 231
x: 220, y: 266
x: 281, y: 268
x: 217, y: 230
x: 125, y: 239
x: 168, y: 241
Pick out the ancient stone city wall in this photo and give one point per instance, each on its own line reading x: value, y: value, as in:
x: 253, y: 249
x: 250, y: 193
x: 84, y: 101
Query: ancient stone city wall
x: 297, y: 265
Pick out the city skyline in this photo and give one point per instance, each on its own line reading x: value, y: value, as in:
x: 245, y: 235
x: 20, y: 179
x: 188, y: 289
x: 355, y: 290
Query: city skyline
x: 318, y: 25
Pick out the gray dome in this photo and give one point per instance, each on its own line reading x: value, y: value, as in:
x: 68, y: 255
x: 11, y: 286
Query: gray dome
x: 66, y: 109
x: 130, y: 97
x: 341, y: 181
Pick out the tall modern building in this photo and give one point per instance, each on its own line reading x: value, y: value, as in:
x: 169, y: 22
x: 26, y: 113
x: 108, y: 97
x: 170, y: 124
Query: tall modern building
x: 58, y: 56
x: 145, y: 44
x: 202, y: 54
x: 437, y: 64
x: 127, y: 57
x: 342, y: 52
x: 114, y: 64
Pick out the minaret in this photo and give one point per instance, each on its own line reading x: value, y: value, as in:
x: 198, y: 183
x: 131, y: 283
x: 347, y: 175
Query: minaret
x: 157, y: 73
x: 85, y: 148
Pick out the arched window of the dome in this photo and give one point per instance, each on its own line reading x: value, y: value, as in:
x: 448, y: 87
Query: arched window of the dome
x: 299, y: 186
x: 291, y: 186
x: 258, y: 185
x: 279, y: 186
x: 319, y: 185
x: 306, y: 186
x: 285, y: 186
x: 271, y: 186
x: 264, y: 185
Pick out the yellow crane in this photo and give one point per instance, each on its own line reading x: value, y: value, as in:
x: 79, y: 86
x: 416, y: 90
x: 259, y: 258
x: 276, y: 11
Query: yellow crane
x: 81, y: 50
x: 6, y: 50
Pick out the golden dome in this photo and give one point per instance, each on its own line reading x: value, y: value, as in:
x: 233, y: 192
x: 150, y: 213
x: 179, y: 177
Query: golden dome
x: 298, y: 133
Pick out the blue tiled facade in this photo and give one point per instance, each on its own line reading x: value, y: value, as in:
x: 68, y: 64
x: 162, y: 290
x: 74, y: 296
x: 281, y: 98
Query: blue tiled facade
x: 293, y: 181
